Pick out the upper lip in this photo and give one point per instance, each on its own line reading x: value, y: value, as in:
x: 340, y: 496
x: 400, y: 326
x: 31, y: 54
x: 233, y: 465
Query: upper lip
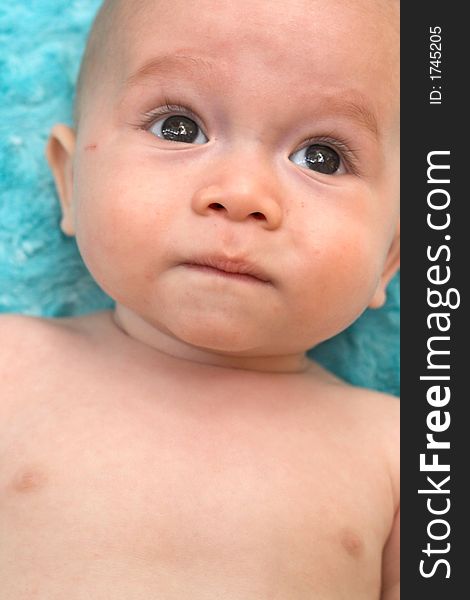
x: 230, y: 265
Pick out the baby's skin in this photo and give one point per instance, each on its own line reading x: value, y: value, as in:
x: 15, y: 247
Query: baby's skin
x: 132, y: 475
x: 232, y: 183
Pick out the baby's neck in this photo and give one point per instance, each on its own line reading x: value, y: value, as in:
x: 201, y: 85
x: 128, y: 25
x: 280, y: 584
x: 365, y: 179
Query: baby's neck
x: 141, y: 331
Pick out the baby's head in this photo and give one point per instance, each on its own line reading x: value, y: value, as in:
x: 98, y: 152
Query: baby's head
x: 258, y: 136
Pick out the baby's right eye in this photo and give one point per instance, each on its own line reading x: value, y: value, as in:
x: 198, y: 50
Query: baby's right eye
x: 178, y: 128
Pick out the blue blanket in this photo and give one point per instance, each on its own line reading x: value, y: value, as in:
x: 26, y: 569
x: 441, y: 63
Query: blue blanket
x: 41, y: 272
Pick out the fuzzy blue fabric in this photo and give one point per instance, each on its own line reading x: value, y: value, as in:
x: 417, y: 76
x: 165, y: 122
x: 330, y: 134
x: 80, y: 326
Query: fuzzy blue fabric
x: 41, y: 272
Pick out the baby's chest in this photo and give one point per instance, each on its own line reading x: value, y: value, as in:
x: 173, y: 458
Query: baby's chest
x: 181, y: 495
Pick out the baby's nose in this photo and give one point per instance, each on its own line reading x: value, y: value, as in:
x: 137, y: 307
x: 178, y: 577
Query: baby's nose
x: 240, y: 198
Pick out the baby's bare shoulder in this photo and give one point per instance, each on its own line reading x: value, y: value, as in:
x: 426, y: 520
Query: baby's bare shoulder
x: 26, y: 338
x: 372, y: 419
x: 29, y: 344
x: 380, y: 408
x: 370, y: 406
x: 380, y: 415
x: 376, y: 412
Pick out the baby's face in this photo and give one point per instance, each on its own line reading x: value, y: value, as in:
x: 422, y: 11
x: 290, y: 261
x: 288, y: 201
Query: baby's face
x: 260, y: 132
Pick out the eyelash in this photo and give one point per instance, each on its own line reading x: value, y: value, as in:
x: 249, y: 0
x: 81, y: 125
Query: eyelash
x: 344, y: 149
x: 149, y: 118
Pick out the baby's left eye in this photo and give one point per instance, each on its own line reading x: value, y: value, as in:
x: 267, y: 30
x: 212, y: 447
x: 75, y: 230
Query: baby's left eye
x: 318, y: 157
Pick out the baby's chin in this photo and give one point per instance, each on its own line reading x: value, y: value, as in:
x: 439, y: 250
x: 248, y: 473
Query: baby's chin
x: 224, y: 337
x: 227, y: 348
x: 251, y: 342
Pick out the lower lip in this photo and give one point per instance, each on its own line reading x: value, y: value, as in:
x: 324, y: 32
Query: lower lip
x: 224, y: 274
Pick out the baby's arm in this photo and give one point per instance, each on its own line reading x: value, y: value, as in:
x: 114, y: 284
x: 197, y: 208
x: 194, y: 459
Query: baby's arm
x: 391, y: 563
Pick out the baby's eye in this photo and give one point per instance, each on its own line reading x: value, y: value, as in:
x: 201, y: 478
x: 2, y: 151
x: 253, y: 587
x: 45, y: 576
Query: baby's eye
x: 178, y: 128
x: 318, y: 157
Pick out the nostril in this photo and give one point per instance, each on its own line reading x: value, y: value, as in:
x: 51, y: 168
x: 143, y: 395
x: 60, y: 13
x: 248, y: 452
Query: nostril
x: 258, y: 216
x: 216, y: 206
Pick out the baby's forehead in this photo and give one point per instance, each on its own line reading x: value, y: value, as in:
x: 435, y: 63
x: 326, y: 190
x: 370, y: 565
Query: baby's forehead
x: 251, y: 21
x: 300, y: 43
x: 300, y: 32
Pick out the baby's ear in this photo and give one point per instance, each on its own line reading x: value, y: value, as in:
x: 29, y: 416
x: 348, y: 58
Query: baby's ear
x: 392, y: 264
x: 60, y: 149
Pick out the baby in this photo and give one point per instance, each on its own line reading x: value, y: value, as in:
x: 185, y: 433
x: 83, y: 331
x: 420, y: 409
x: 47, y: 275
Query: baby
x: 232, y: 183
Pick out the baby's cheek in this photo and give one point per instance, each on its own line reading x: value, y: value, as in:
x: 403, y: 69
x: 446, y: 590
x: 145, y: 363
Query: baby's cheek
x: 98, y: 224
x: 355, y: 267
x: 341, y: 280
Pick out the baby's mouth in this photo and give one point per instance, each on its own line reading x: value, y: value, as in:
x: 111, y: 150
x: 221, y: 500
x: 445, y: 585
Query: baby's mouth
x: 229, y: 268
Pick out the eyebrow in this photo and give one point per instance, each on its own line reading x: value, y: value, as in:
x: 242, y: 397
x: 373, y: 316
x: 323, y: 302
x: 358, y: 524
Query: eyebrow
x: 165, y: 65
x: 358, y: 111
